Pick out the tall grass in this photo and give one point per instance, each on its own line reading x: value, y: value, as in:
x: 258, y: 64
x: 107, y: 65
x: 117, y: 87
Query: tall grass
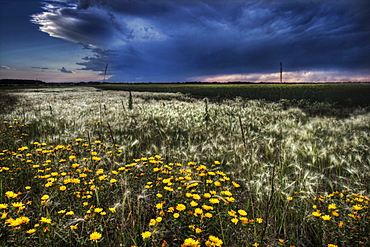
x: 288, y: 165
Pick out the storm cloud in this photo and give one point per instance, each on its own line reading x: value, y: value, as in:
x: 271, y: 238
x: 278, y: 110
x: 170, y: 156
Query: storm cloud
x: 169, y: 40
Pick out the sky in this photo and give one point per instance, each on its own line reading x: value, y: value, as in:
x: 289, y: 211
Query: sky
x: 185, y: 40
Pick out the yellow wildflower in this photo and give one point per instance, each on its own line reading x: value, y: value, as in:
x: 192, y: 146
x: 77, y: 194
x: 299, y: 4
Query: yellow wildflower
x: 95, y: 236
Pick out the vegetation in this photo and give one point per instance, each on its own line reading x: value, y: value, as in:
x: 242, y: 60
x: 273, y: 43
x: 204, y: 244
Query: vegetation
x: 84, y: 167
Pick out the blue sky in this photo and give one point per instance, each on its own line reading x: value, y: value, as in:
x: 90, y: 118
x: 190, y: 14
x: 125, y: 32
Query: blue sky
x: 185, y: 40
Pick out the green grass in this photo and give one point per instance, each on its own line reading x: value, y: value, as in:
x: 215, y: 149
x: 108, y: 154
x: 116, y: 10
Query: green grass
x: 96, y: 162
x: 344, y: 94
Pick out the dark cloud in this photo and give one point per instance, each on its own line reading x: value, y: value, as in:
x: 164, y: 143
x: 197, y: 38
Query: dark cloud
x: 64, y: 70
x: 178, y: 40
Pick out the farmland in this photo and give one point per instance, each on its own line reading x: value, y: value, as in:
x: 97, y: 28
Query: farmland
x: 186, y: 165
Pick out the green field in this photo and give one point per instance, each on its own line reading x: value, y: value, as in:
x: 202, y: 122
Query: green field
x: 344, y: 94
x: 185, y: 165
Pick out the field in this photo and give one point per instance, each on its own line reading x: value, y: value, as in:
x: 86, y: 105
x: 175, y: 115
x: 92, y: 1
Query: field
x: 81, y: 166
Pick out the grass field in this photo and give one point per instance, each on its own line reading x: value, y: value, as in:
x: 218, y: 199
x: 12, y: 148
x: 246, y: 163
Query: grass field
x: 82, y: 166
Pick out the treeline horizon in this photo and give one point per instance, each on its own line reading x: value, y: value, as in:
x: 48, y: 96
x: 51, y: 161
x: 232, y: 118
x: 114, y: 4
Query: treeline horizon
x: 38, y: 82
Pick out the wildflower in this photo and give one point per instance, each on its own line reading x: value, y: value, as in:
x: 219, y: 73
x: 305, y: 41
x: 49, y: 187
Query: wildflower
x: 159, y: 195
x: 98, y: 210
x: 255, y: 244
x: 340, y: 224
x: 335, y: 213
x: 196, y: 197
x: 45, y: 220
x: 3, y: 206
x: 208, y: 215
x: 214, y: 200
x: 281, y: 240
x: 193, y: 203
x: 226, y: 193
x: 113, y: 210
x: 316, y: 213
x: 289, y: 198
x: 62, y: 188
x: 73, y: 227
x: 207, y: 195
x: 232, y: 213
x: 214, y: 241
x: 326, y: 217
x: 206, y: 207
x: 217, y: 183
x: 259, y: 220
x: 332, y: 245
x: 235, y: 184
x: 242, y: 212
x: 332, y: 206
x: 30, y: 231
x: 27, y: 187
x: 113, y: 180
x: 152, y: 222
x: 176, y: 215
x: 357, y: 207
x: 95, y: 236
x: 198, y: 211
x: 4, y: 215
x: 146, y: 234
x: 17, y: 204
x: 11, y: 194
x: 70, y: 213
x: 189, y: 242
x: 180, y: 207
x: 234, y: 220
x: 158, y: 219
x: 45, y: 197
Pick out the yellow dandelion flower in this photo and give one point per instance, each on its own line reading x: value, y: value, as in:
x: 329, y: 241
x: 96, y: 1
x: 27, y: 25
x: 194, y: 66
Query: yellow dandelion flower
x: 11, y: 194
x: 62, y: 188
x: 217, y: 183
x: 45, y: 220
x: 198, y: 211
x: 208, y: 215
x: 207, y: 195
x: 158, y: 219
x: 357, y: 207
x: 95, y: 236
x: 3, y: 206
x: 146, y: 234
x: 17, y: 204
x: 206, y: 207
x: 176, y: 215
x: 189, y: 242
x: 236, y: 185
x: 234, y: 220
x: 242, y: 212
x: 316, y: 213
x: 332, y: 206
x: 214, y: 200
x: 152, y: 222
x: 30, y: 231
x: 180, y: 207
x: 326, y: 217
